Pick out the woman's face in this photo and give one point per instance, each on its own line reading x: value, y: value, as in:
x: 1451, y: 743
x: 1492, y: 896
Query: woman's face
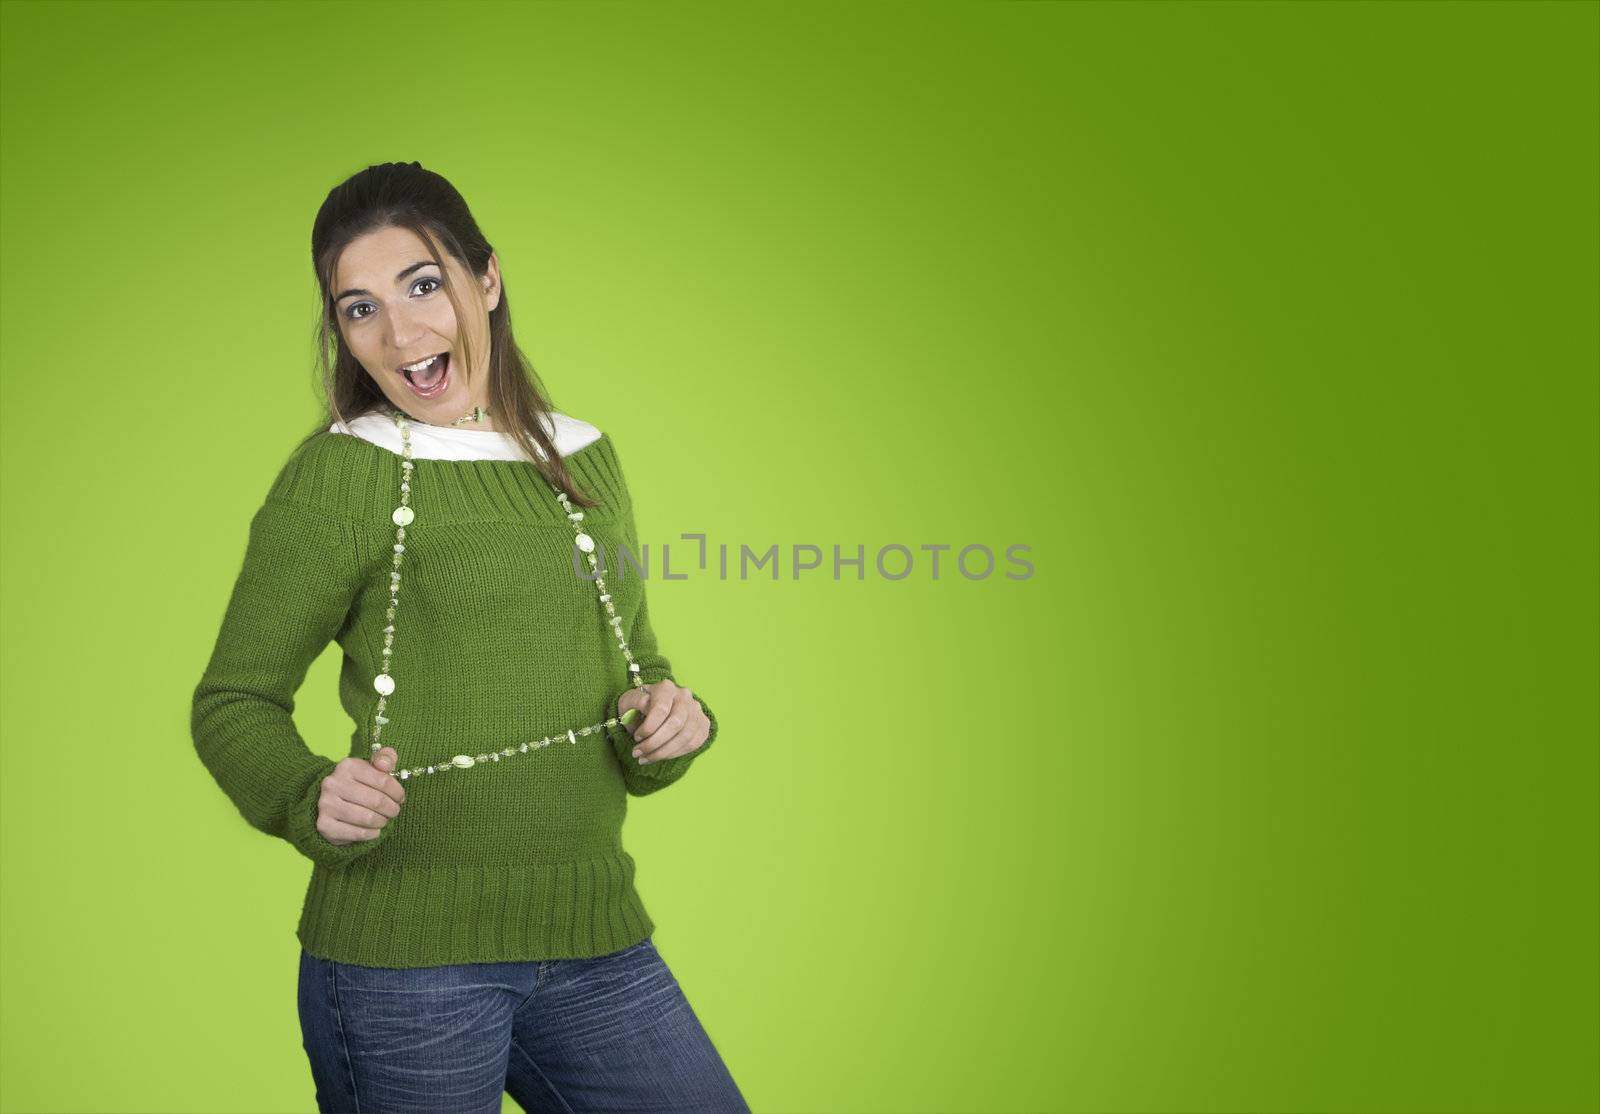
x: 393, y: 312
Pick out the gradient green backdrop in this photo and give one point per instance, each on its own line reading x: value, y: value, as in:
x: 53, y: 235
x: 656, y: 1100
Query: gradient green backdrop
x: 1271, y: 328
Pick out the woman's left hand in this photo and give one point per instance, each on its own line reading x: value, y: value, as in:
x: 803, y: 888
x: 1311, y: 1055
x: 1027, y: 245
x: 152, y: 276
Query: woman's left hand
x: 673, y: 722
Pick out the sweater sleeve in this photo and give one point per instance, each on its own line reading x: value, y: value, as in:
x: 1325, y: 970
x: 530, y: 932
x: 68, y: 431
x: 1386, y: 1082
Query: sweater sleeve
x: 653, y: 666
x: 298, y: 580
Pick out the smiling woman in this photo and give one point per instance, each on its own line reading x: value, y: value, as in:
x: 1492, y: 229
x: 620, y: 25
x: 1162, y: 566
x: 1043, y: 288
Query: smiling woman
x: 410, y: 315
x: 527, y: 702
x: 415, y: 314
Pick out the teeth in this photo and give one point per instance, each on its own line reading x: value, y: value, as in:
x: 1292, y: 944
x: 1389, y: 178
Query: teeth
x: 420, y: 364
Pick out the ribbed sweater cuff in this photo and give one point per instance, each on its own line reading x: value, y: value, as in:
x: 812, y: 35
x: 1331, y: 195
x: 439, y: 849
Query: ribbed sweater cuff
x: 301, y: 827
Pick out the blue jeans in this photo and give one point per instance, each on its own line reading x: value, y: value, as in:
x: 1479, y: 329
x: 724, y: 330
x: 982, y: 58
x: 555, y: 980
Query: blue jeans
x: 563, y: 1036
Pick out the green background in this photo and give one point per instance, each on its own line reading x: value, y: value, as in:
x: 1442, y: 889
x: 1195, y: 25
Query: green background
x: 1271, y: 328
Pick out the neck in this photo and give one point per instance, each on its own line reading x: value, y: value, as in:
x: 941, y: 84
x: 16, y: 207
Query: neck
x: 476, y: 418
x: 485, y: 423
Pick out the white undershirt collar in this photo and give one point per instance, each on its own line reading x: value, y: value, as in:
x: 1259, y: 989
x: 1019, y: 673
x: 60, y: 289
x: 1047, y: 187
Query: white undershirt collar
x: 432, y: 442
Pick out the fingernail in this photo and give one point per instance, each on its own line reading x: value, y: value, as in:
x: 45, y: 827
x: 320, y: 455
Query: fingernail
x: 636, y: 752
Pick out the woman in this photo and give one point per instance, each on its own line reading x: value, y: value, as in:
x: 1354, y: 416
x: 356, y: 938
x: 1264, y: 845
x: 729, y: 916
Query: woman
x: 471, y: 924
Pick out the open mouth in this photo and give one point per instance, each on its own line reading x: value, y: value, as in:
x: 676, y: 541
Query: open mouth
x: 428, y: 378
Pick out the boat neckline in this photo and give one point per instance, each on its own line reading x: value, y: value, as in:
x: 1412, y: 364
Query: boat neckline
x: 451, y: 430
x: 603, y: 438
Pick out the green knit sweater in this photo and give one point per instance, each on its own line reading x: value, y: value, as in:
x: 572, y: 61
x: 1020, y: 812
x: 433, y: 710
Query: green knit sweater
x: 498, y: 641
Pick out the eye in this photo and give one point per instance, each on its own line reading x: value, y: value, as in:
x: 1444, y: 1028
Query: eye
x: 350, y: 310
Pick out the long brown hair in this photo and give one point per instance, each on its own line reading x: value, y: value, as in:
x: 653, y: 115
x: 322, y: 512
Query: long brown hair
x: 404, y: 195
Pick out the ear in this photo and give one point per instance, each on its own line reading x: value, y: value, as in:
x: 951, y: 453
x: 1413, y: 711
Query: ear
x: 491, y: 281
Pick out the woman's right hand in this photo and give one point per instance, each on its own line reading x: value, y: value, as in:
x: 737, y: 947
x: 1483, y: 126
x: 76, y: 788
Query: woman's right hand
x: 359, y: 798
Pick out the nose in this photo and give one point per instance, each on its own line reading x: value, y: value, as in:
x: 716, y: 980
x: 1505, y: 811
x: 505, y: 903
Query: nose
x: 405, y: 334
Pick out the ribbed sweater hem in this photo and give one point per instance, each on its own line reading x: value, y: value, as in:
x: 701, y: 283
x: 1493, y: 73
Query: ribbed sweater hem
x: 472, y: 913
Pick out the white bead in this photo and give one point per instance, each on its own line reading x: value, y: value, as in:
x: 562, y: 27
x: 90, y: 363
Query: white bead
x: 463, y: 760
x: 383, y: 683
x: 585, y: 543
x: 402, y: 516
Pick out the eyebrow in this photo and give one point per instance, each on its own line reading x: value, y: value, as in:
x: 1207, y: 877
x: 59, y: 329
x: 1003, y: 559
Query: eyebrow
x: 357, y: 290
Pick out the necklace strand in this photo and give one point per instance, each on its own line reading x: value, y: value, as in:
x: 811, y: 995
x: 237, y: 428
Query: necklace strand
x: 402, y: 517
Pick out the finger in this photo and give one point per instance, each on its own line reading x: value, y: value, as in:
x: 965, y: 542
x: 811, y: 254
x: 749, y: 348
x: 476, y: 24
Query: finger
x: 647, y: 747
x: 696, y: 730
x: 334, y: 807
x: 668, y: 747
x: 633, y: 698
x: 385, y: 761
x: 333, y: 828
x: 377, y: 774
x: 687, y: 741
x: 367, y: 802
x: 656, y: 711
x: 679, y: 722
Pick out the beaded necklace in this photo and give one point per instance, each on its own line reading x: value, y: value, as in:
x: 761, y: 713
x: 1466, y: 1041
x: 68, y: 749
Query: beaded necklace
x: 403, y: 516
